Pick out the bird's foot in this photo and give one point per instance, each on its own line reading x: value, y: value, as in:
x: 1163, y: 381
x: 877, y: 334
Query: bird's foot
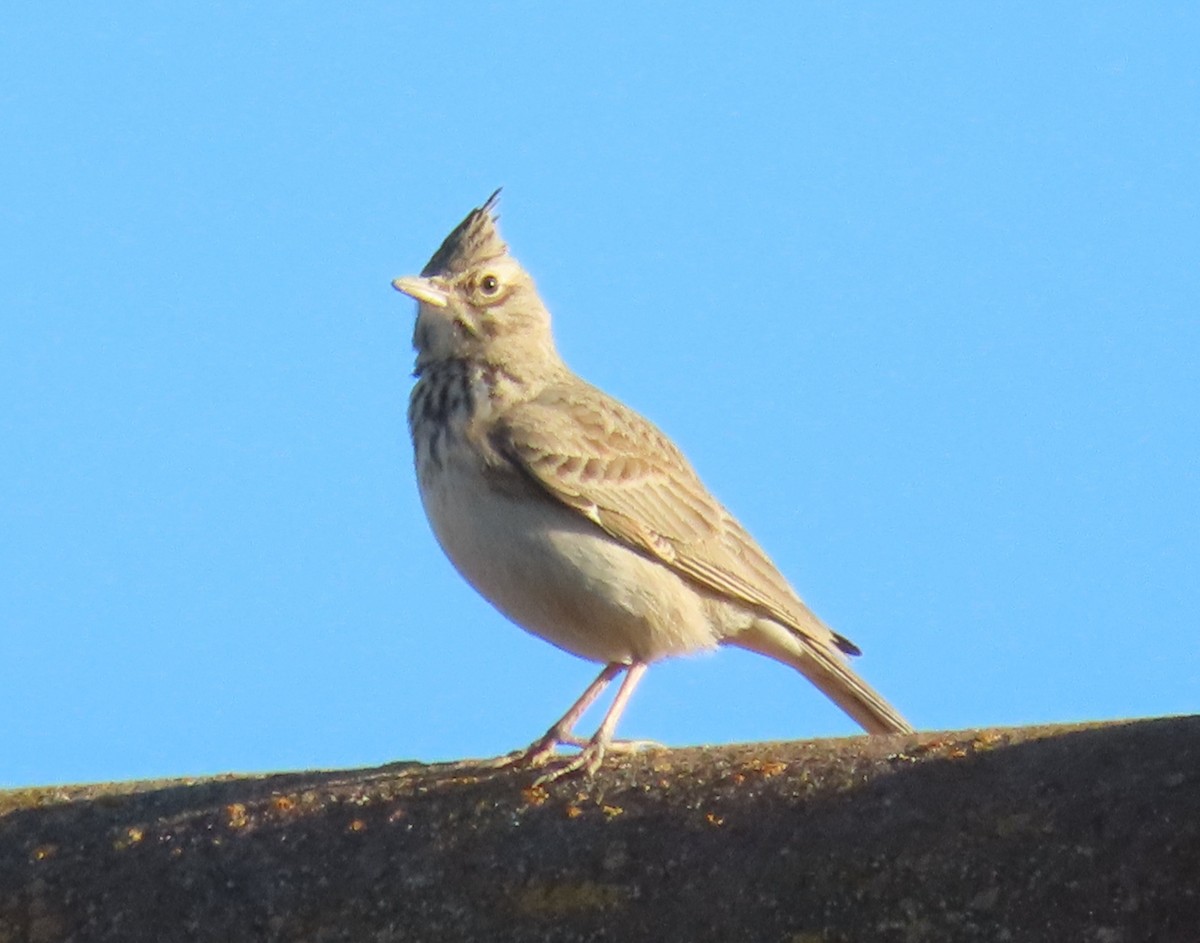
x: 544, y: 751
x: 590, y: 757
x: 538, y: 753
x: 586, y: 761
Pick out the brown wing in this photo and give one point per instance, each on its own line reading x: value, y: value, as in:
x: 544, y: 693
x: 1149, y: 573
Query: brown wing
x: 614, y: 467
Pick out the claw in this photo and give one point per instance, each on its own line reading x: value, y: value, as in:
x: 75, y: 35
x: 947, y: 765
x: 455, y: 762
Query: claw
x: 591, y: 756
x: 586, y: 761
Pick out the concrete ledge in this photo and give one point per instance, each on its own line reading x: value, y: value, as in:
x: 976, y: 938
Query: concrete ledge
x: 1080, y: 833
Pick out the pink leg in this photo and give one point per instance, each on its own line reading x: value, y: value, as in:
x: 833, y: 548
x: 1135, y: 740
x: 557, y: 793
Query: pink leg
x: 561, y: 733
x: 592, y: 755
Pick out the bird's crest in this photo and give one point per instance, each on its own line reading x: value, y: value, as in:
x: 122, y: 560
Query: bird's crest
x: 476, y: 239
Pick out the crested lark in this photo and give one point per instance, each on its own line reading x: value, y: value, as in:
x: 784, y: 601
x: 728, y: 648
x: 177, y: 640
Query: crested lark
x: 576, y: 517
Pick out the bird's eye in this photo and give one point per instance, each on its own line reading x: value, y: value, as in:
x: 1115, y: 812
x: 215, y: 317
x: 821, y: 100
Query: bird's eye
x: 489, y: 284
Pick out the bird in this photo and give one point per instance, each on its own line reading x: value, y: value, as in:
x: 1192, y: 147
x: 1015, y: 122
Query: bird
x: 576, y: 517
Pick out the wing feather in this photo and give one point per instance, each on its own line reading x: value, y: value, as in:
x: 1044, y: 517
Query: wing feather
x: 599, y: 457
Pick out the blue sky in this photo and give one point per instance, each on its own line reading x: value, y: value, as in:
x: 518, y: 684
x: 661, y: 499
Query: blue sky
x: 917, y: 291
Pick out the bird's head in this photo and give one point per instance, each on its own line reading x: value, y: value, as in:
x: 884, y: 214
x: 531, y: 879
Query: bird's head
x: 475, y: 302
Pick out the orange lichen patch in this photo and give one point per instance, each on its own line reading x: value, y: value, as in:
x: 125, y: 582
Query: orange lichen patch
x: 767, y: 768
x: 235, y: 815
x: 357, y: 825
x: 714, y: 820
x: 128, y: 838
x: 931, y: 746
x: 572, y: 811
x: 535, y: 795
x: 952, y: 748
x: 283, y: 803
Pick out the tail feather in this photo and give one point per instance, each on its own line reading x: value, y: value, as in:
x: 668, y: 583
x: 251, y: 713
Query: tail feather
x: 825, y: 667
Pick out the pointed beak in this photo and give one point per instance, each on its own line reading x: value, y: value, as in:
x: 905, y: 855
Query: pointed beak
x: 423, y: 289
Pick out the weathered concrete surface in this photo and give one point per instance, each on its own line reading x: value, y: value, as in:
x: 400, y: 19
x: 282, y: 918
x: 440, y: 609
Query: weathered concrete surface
x: 1087, y: 833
